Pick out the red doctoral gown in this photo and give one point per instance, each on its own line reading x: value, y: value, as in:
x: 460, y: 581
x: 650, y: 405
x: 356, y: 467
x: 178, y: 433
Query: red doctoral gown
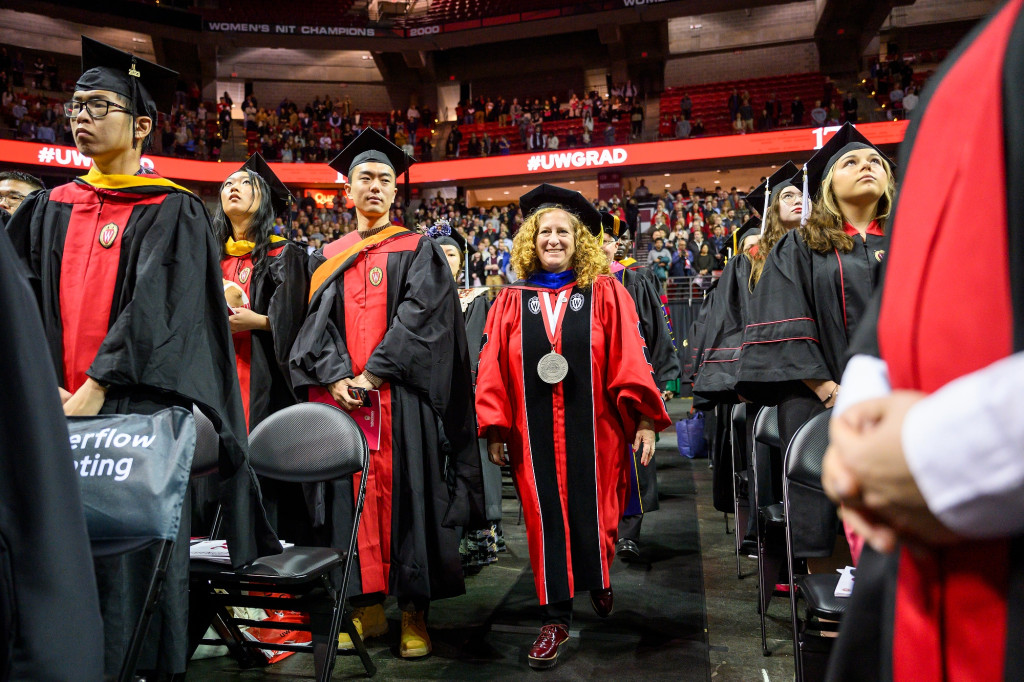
x: 568, y: 441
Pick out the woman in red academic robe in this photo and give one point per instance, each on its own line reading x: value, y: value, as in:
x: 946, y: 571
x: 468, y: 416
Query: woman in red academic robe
x: 564, y: 380
x: 270, y: 274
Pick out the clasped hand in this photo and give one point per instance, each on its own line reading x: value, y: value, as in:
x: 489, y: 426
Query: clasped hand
x: 865, y: 470
x: 339, y: 391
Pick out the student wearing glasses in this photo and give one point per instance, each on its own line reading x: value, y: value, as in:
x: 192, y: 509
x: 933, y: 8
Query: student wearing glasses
x: 15, y: 186
x: 125, y: 269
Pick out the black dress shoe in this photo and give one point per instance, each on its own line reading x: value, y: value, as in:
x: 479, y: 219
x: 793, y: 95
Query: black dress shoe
x: 749, y: 548
x: 627, y: 550
x: 602, y: 601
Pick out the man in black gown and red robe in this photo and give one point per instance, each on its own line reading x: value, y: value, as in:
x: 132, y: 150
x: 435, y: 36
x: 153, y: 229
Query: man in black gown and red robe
x: 932, y: 474
x: 125, y: 271
x: 384, y: 316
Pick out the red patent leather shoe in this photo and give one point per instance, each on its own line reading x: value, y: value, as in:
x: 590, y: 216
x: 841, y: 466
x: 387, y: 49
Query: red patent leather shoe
x: 544, y: 651
x: 602, y: 601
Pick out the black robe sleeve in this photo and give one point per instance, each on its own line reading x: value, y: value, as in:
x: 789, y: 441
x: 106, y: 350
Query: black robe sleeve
x: 657, y: 336
x: 319, y: 355
x: 46, y: 570
x: 715, y: 378
x: 476, y: 320
x: 315, y: 260
x: 286, y: 309
x: 782, y: 338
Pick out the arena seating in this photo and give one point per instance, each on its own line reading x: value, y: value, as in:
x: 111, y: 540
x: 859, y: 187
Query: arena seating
x: 561, y: 128
x: 710, y: 100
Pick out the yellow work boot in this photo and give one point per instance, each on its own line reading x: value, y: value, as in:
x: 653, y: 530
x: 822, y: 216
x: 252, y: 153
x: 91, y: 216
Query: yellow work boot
x: 370, y: 621
x: 415, y: 640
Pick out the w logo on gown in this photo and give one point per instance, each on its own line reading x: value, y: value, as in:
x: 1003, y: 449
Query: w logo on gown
x: 108, y: 234
x: 376, y: 276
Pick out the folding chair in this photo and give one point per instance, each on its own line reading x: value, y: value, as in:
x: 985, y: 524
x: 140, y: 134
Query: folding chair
x: 133, y: 482
x: 770, y: 514
x: 741, y: 509
x: 305, y: 443
x: 823, y: 609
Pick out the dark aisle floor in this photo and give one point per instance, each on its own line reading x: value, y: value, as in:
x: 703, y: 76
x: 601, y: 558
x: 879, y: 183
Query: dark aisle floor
x: 660, y: 630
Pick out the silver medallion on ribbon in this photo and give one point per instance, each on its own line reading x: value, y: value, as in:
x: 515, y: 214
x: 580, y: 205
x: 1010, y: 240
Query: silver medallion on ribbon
x: 552, y: 368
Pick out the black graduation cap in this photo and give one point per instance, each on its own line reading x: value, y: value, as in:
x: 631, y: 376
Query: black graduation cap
x: 752, y: 226
x: 784, y: 177
x: 613, y: 225
x: 279, y: 194
x: 569, y: 200
x: 370, y: 145
x: 148, y: 87
x: 846, y: 139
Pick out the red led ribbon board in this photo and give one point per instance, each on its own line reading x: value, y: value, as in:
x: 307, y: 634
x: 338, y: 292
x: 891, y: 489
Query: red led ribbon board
x: 571, y: 163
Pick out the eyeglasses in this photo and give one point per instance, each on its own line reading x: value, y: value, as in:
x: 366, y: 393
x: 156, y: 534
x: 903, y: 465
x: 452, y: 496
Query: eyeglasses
x: 97, y: 108
x: 791, y: 198
x: 12, y: 198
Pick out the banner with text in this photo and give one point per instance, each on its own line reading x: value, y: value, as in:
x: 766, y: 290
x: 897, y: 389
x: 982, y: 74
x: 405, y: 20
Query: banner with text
x: 796, y: 144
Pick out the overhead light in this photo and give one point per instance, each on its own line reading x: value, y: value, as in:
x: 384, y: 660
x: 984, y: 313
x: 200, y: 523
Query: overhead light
x: 490, y: 198
x: 506, y: 192
x: 718, y: 171
x: 572, y: 182
x: 717, y: 182
x: 668, y: 175
x: 774, y: 166
x: 667, y: 184
x: 525, y: 186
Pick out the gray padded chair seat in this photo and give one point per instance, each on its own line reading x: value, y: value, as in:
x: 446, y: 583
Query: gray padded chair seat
x: 818, y: 590
x: 774, y: 513
x: 294, y: 564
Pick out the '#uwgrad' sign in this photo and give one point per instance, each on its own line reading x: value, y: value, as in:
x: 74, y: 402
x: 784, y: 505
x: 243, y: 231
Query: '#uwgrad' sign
x: 799, y: 144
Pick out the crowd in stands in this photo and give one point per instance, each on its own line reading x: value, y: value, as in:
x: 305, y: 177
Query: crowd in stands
x: 488, y: 126
x: 894, y: 83
x: 691, y: 231
x: 287, y: 132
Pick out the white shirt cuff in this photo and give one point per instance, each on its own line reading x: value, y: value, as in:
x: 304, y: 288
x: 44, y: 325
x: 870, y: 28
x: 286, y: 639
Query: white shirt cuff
x: 964, y: 445
x: 866, y: 377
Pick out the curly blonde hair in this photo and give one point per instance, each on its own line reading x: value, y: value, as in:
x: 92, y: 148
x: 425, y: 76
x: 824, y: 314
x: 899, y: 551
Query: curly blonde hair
x: 824, y: 229
x: 588, y: 260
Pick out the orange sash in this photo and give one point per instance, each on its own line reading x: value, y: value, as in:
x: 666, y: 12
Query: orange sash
x: 333, y: 263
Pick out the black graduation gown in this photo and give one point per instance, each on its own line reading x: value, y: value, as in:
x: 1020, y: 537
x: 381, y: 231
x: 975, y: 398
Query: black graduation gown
x: 475, y: 313
x: 803, y: 313
x: 161, y: 340
x: 715, y: 378
x: 46, y: 573
x: 698, y: 344
x: 279, y: 290
x: 643, y: 288
x: 389, y: 305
